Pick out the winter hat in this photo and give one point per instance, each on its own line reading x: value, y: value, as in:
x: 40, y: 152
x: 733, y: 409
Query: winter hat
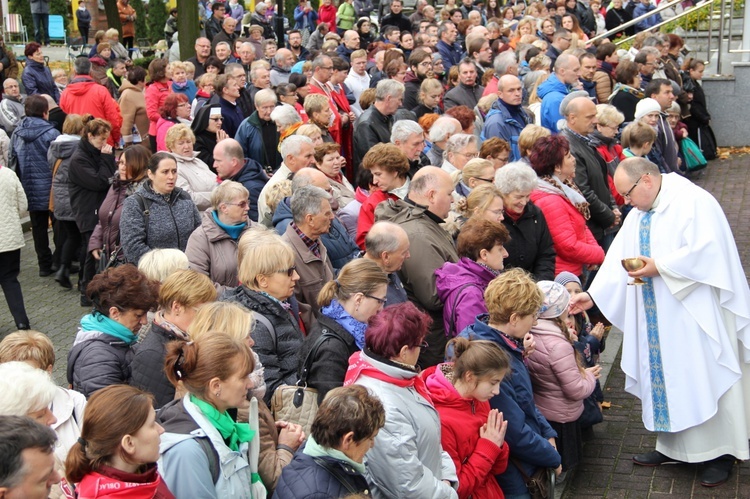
x: 566, y: 277
x: 646, y: 106
x: 102, y: 47
x: 556, y: 299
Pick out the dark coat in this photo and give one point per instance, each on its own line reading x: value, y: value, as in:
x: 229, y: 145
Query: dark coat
x: 147, y: 365
x: 29, y: 144
x: 501, y: 122
x: 463, y: 95
x: 205, y: 141
x: 530, y: 246
x: 304, y: 478
x: 62, y: 148
x: 106, y: 235
x: 625, y: 100
x: 278, y: 350
x: 89, y: 176
x: 250, y: 136
x: 97, y: 360
x: 37, y: 79
x: 399, y: 20
x: 412, y: 85
x: 232, y: 115
x: 371, y: 128
x: 615, y: 18
x: 332, y: 360
x: 254, y: 178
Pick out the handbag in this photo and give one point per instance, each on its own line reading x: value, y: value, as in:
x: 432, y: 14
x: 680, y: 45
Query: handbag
x: 109, y: 261
x: 541, y: 484
x: 694, y: 159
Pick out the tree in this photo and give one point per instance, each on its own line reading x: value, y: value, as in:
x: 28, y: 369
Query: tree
x: 188, y: 28
x: 157, y: 18
x: 113, y: 16
x: 141, y: 28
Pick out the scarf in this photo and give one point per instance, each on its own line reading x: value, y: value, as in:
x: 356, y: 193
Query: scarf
x: 359, y: 366
x: 289, y: 132
x: 314, y: 449
x: 489, y: 269
x: 568, y: 189
x: 179, y: 85
x: 164, y: 323
x: 626, y: 88
x: 232, y: 433
x: 234, y: 231
x: 356, y: 328
x: 111, y: 482
x: 97, y: 321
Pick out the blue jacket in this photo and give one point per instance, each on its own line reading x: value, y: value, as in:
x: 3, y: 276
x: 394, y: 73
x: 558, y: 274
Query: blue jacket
x: 232, y: 115
x: 190, y: 90
x: 254, y: 178
x: 304, y: 478
x: 29, y: 143
x: 506, y: 124
x: 552, y: 92
x: 302, y: 20
x: 649, y: 22
x: 37, y: 79
x: 340, y: 245
x: 451, y: 54
x: 528, y: 432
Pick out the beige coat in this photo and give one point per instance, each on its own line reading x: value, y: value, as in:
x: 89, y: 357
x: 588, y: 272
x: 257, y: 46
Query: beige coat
x: 603, y: 86
x: 12, y: 204
x: 133, y: 108
x: 194, y: 177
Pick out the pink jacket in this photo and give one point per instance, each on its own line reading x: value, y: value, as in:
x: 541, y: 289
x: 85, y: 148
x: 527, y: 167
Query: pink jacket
x: 156, y: 94
x: 559, y: 386
x: 574, y: 243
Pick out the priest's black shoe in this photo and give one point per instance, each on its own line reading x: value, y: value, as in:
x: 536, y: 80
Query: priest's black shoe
x: 653, y: 458
x: 717, y: 471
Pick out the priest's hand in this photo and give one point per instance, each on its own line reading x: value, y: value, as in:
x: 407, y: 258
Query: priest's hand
x: 649, y: 270
x: 580, y: 302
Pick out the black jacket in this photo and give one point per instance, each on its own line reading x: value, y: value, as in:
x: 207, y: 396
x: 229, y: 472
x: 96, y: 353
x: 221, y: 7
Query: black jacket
x: 97, y: 360
x: 304, y: 478
x: 530, y: 246
x: 89, y: 176
x: 205, y: 141
x: 371, y: 128
x: 147, y: 366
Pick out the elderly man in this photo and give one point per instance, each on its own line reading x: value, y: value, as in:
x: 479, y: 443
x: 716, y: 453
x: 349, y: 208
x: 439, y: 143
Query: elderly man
x: 202, y: 52
x: 228, y: 91
x: 560, y: 43
x: 27, y: 463
x: 507, y: 118
x: 341, y: 247
x: 388, y: 245
x: 591, y: 170
x: 449, y: 50
x: 459, y: 150
x: 11, y: 107
x: 420, y: 215
x: 374, y: 125
x: 214, y: 23
x: 260, y: 77
x: 322, y: 67
x: 358, y: 79
x: 420, y: 67
x: 665, y: 146
x: 442, y: 130
x: 349, y: 43
x: 418, y: 14
x: 687, y: 351
x: 408, y: 136
x: 244, y: 101
x: 258, y: 134
x: 556, y: 87
x: 230, y: 164
x: 297, y: 152
x: 312, y: 216
x: 227, y: 33
x: 281, y: 67
x: 295, y: 45
x: 505, y: 63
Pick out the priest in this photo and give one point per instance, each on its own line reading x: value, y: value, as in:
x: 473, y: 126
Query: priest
x: 686, y: 348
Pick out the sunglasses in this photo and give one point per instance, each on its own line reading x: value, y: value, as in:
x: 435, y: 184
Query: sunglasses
x: 289, y: 272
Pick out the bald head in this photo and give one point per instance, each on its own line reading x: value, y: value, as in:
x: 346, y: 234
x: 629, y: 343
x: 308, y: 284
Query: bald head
x: 351, y: 39
x: 312, y: 176
x: 510, y: 90
x: 432, y: 187
x: 567, y: 68
x: 581, y: 117
x: 388, y: 245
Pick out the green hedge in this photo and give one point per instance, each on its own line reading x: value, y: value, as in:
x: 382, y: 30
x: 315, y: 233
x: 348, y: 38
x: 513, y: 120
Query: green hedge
x: 23, y: 7
x: 157, y: 18
x: 698, y: 20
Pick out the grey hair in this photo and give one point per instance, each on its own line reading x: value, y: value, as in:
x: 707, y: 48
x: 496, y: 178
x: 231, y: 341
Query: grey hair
x: 503, y: 62
x: 492, y: 26
x: 568, y: 98
x: 226, y: 18
x: 223, y: 43
x: 226, y: 191
x: 25, y: 389
x: 517, y: 176
x: 58, y: 72
x: 388, y: 88
x: 651, y: 50
x: 293, y: 145
x: 379, y: 241
x: 652, y: 41
x: 458, y: 142
x: 82, y: 65
x: 255, y: 67
x: 443, y: 128
x: 444, y: 28
x: 263, y: 96
x: 319, y: 61
x: 232, y: 66
x: 306, y: 201
x: 564, y: 61
x: 18, y: 433
x: 403, y: 129
x: 284, y: 115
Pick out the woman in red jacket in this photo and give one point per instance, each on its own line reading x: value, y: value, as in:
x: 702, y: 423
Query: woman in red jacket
x: 327, y: 14
x: 471, y: 433
x: 156, y: 93
x: 563, y: 205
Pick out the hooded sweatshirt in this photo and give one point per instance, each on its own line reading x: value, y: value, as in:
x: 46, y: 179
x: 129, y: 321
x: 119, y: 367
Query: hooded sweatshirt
x: 460, y: 287
x: 552, y: 92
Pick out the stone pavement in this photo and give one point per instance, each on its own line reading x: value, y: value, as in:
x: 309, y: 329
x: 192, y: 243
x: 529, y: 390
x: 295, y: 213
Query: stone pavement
x: 607, y: 469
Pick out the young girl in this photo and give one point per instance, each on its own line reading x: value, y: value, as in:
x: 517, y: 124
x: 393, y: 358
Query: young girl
x: 560, y: 383
x: 472, y: 434
x: 119, y: 445
x: 637, y: 139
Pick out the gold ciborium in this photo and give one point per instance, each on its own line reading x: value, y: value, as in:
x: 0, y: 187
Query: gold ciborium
x: 631, y: 264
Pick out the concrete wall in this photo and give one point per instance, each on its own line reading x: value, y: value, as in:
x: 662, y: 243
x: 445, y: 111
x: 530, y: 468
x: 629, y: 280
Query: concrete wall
x: 728, y: 99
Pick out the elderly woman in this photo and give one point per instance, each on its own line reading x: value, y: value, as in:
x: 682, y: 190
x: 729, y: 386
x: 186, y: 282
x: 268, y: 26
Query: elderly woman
x: 496, y: 150
x: 103, y: 346
x: 159, y: 214
x: 563, y: 206
x: 176, y: 109
x: 258, y: 134
x: 205, y: 91
x: 319, y: 113
x: 268, y: 276
x: 37, y: 77
x: 358, y: 293
x: 328, y: 160
x: 287, y: 121
x: 208, y: 132
x: 112, y: 36
x: 608, y: 124
x: 193, y: 175
x: 460, y: 148
x: 389, y: 167
x: 156, y: 92
x: 530, y: 247
x: 528, y: 137
x: 180, y: 82
x: 180, y: 295
x: 460, y: 286
x: 331, y: 464
x: 407, y: 459
x: 158, y: 264
x: 212, y: 247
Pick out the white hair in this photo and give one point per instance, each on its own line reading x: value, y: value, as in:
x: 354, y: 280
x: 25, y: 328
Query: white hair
x: 388, y: 88
x: 443, y: 128
x: 264, y: 96
x: 403, y: 129
x: 25, y: 389
x: 516, y: 177
x: 285, y: 115
x: 293, y: 145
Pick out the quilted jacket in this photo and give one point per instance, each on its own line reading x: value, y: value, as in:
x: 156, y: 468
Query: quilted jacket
x: 62, y: 148
x: 29, y: 144
x: 12, y: 204
x: 37, y: 79
x: 304, y: 478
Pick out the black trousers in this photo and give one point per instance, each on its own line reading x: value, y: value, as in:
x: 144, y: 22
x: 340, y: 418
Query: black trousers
x: 39, y: 228
x: 10, y: 267
x: 88, y: 265
x: 71, y: 246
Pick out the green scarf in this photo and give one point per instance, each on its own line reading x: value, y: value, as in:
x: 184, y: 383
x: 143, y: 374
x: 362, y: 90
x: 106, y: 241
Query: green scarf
x: 231, y: 432
x: 100, y: 322
x: 314, y: 449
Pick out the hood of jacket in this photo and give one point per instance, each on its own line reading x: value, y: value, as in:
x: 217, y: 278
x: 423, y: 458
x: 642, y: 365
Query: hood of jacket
x: 399, y: 211
x: 80, y: 85
x: 441, y: 389
x: 411, y: 77
x: 452, y: 276
x: 252, y: 171
x: 481, y: 330
x: 64, y: 146
x: 361, y: 195
x: 175, y: 419
x: 126, y: 85
x: 31, y: 128
x: 283, y: 212
x: 552, y: 84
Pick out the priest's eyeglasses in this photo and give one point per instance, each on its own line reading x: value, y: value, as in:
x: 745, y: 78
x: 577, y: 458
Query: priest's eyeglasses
x: 627, y: 194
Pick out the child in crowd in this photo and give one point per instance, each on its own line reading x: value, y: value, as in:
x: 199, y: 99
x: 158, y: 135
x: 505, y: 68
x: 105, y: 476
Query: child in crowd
x: 638, y: 139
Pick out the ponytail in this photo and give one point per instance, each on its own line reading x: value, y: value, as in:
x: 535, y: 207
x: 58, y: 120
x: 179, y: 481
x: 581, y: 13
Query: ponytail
x: 482, y: 358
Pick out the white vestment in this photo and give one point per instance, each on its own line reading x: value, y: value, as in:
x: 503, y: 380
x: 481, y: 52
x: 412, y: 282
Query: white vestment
x: 686, y: 347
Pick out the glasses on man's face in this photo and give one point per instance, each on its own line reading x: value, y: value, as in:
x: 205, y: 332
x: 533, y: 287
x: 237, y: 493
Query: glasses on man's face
x: 470, y: 155
x: 382, y: 301
x: 627, y: 194
x: 289, y: 272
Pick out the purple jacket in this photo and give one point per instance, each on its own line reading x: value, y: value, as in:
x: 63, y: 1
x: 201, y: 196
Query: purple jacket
x: 460, y: 286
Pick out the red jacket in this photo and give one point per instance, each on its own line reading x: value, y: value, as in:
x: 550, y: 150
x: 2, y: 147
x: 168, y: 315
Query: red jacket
x: 367, y: 214
x: 609, y: 156
x: 327, y: 14
x: 477, y: 460
x: 156, y: 94
x: 113, y: 483
x: 574, y: 243
x: 84, y: 96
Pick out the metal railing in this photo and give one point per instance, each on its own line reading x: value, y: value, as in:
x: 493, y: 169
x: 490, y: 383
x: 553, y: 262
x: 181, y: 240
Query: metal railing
x: 699, y: 5
x: 661, y: 7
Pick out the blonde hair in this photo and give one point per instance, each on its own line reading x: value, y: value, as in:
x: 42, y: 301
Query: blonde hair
x: 73, y: 125
x: 315, y: 103
x: 512, y: 292
x: 485, y: 103
x: 228, y: 317
x: 480, y: 199
x: 186, y: 287
x: 261, y: 251
x: 189, y: 67
x: 358, y: 276
x: 279, y: 191
x: 609, y: 115
x: 177, y: 65
x: 178, y: 132
x: 111, y: 33
x: 158, y: 264
x: 226, y: 191
x: 28, y: 346
x: 528, y: 137
x: 206, y: 79
x: 309, y: 130
x: 475, y: 167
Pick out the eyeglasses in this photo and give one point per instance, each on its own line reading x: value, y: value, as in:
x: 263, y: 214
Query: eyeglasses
x: 241, y: 204
x: 468, y: 155
x: 488, y: 180
x: 627, y: 194
x: 423, y: 345
x: 216, y: 119
x: 382, y: 301
x: 289, y: 272
x: 327, y: 68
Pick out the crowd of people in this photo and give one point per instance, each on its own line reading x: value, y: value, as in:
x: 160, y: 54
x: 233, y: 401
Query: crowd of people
x: 402, y: 218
